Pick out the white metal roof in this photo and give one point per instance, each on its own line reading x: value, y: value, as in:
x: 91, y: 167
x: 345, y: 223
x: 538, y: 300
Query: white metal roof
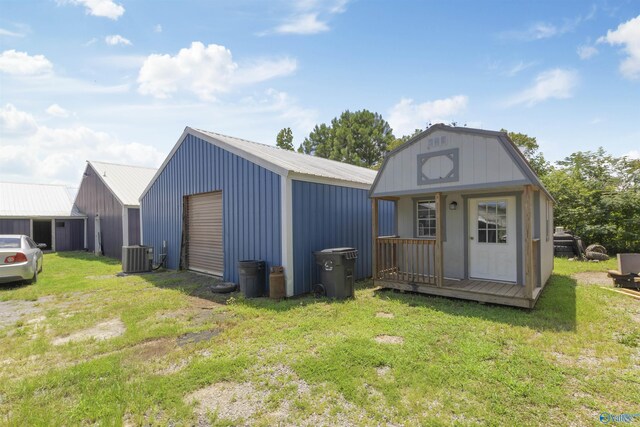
x: 295, y: 162
x: 125, y: 182
x: 286, y: 163
x: 36, y: 200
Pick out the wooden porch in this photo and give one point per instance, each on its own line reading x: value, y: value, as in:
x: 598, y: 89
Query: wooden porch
x: 417, y: 265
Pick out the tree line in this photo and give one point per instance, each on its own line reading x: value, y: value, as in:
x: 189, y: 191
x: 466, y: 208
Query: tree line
x: 597, y: 194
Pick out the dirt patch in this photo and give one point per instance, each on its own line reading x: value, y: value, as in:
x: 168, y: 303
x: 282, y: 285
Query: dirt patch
x: 383, y: 371
x: 586, y: 359
x: 154, y: 349
x: 12, y: 311
x: 102, y: 331
x: 389, y: 339
x: 383, y: 315
x: 229, y: 401
x: 196, y: 337
x: 593, y: 278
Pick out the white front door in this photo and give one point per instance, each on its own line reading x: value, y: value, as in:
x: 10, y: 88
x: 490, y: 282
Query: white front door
x: 492, y: 239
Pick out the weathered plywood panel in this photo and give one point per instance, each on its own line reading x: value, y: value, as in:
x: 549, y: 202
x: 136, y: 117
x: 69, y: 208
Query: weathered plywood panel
x: 69, y: 234
x: 94, y: 198
x: 15, y: 226
x: 133, y: 223
x: 482, y: 159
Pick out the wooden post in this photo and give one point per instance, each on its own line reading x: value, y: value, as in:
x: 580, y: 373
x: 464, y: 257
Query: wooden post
x: 527, y: 205
x: 374, y: 238
x: 439, y: 267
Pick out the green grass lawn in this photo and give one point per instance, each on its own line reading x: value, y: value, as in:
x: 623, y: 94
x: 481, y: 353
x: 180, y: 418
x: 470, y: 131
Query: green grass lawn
x: 184, y: 356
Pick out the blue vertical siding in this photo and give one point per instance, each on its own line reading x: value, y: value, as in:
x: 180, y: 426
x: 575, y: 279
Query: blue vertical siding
x: 14, y: 226
x: 250, y: 197
x: 329, y: 216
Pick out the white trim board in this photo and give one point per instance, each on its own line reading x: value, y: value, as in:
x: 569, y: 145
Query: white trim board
x: 286, y: 229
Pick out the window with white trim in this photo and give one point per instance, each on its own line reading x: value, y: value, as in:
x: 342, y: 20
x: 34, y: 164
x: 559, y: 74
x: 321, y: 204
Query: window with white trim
x: 426, y: 218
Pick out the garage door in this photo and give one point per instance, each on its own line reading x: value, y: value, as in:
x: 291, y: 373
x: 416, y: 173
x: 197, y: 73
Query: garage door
x: 204, y: 244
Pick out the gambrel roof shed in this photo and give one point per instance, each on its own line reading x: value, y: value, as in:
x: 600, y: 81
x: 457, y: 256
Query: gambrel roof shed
x: 470, y: 201
x: 488, y: 159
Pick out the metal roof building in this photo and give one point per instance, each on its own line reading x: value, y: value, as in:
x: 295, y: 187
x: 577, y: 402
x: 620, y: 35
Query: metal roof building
x: 44, y: 212
x: 217, y: 200
x: 109, y: 195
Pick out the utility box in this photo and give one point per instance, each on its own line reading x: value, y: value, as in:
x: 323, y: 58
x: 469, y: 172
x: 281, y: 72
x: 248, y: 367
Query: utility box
x: 337, y: 267
x: 252, y: 278
x: 137, y: 259
x: 277, y: 287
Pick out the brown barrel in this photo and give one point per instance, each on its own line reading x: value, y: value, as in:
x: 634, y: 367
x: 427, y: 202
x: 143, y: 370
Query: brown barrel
x: 277, y: 288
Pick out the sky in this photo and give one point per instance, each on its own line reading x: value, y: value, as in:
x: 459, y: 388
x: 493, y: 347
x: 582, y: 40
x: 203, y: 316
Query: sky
x: 119, y: 80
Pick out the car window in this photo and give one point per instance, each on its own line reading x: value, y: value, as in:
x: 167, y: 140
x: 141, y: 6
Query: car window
x: 31, y: 243
x: 9, y: 243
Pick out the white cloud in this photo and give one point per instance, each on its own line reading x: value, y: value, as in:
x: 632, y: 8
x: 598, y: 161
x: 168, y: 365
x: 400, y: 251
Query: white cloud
x: 633, y: 154
x: 519, y: 67
x: 157, y: 28
x: 205, y: 71
x: 21, y: 63
x: 406, y: 115
x: 309, y: 17
x: 14, y: 121
x: 551, y: 84
x: 117, y: 39
x: 103, y: 8
x: 303, y: 24
x: 586, y: 51
x: 90, y: 42
x: 57, y: 111
x: 546, y: 30
x: 58, y: 153
x: 9, y: 33
x: 627, y: 34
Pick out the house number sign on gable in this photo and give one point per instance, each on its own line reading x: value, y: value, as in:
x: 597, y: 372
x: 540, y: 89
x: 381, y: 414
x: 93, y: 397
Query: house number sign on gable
x: 439, y: 166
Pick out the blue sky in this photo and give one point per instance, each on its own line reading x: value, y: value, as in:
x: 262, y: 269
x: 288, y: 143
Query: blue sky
x: 118, y: 80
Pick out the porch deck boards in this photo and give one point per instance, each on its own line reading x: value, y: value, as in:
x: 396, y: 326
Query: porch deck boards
x: 470, y: 289
x: 485, y: 287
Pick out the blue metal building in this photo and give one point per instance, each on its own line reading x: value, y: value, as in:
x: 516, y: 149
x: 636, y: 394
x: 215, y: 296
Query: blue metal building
x: 217, y: 200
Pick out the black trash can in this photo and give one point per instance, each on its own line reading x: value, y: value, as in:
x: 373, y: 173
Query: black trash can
x: 252, y: 278
x: 337, y: 269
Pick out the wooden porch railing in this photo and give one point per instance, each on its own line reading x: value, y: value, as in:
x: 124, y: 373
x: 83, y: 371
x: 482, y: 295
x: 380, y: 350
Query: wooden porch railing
x: 406, y: 260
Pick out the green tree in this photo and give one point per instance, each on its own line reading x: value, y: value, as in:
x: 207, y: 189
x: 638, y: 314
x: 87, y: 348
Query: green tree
x: 285, y: 139
x: 529, y: 147
x: 598, y: 198
x: 360, y: 138
x: 403, y: 139
x: 318, y: 143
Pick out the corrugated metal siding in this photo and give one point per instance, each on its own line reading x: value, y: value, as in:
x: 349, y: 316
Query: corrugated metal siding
x: 328, y: 216
x: 134, y: 226
x: 95, y: 198
x: 14, y: 226
x: 251, y: 204
x: 71, y: 236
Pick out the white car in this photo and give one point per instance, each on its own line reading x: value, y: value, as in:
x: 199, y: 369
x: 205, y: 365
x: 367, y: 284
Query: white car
x: 20, y: 258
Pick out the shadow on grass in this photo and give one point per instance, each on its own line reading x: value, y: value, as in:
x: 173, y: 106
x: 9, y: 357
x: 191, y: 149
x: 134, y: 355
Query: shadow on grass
x: 87, y: 256
x: 555, y: 309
